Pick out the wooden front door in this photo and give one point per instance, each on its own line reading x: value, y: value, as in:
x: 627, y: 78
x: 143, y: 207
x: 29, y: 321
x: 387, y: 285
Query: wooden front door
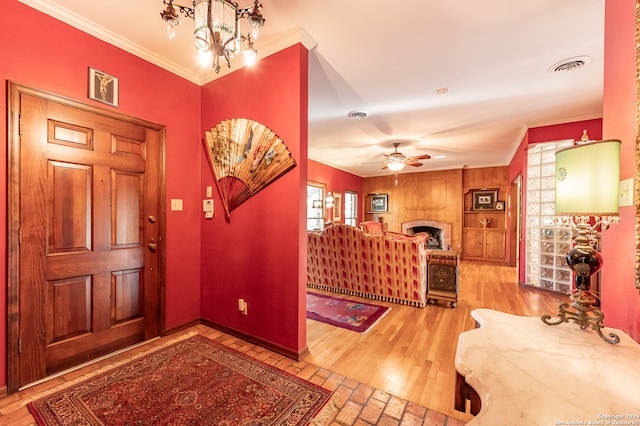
x: 85, y: 199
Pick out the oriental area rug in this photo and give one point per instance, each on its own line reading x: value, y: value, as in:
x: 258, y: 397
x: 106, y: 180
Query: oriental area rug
x: 193, y: 382
x: 345, y: 313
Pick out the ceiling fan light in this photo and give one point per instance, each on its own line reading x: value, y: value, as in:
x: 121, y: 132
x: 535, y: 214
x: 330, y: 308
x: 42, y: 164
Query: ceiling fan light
x: 395, y: 166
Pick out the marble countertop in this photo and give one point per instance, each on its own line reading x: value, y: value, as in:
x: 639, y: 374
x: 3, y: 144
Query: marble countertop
x: 530, y: 373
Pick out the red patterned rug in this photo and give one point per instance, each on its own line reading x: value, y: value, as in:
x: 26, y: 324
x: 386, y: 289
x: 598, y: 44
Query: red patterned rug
x: 193, y: 382
x: 345, y: 313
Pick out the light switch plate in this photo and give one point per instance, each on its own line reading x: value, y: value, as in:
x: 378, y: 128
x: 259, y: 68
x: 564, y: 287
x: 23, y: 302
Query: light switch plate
x: 625, y: 197
x: 176, y: 204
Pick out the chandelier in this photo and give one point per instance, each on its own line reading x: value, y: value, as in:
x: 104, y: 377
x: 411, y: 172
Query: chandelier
x: 217, y: 28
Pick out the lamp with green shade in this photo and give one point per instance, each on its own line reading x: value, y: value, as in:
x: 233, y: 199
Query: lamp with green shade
x: 587, y: 182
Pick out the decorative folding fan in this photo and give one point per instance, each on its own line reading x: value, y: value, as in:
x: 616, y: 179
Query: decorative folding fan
x: 245, y: 157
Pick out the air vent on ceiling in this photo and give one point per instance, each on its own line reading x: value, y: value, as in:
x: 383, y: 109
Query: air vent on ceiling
x: 357, y: 115
x: 570, y: 64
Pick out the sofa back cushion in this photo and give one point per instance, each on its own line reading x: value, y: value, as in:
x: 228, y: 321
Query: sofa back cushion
x: 388, y: 267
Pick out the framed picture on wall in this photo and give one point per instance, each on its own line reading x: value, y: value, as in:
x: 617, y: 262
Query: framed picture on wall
x: 379, y: 202
x: 484, y: 199
x: 103, y: 87
x: 337, y: 207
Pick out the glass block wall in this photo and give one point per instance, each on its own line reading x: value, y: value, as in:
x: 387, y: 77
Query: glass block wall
x: 547, y: 241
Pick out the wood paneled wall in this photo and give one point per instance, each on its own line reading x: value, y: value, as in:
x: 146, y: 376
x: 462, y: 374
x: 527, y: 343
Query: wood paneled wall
x: 436, y: 195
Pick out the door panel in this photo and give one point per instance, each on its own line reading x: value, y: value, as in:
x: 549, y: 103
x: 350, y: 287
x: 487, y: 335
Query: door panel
x: 126, y: 205
x: 495, y: 244
x: 69, y: 208
x: 69, y: 313
x: 87, y: 282
x: 127, y: 291
x: 473, y: 243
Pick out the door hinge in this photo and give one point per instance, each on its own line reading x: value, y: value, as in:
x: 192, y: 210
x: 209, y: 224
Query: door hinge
x: 20, y: 125
x: 19, y: 236
x: 19, y: 345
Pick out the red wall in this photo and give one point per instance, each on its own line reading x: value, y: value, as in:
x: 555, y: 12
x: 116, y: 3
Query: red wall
x: 620, y: 299
x: 337, y: 181
x: 259, y: 254
x: 562, y: 131
x: 33, y: 55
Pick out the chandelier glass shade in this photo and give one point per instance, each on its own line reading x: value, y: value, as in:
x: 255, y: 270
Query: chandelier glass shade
x: 217, y: 28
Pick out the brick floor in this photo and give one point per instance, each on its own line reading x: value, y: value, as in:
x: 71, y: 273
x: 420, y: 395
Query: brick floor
x: 358, y: 404
x: 352, y: 403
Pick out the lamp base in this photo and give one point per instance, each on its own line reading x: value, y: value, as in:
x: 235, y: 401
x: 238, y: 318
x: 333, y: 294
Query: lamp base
x: 583, y: 314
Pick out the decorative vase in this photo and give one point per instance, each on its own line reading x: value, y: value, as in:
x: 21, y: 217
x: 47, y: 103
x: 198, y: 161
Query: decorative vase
x: 485, y: 221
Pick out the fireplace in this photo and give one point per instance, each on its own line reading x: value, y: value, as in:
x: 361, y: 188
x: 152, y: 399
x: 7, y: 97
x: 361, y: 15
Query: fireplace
x: 439, y: 232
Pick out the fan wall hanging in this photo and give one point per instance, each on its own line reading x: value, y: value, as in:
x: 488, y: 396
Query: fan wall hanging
x: 245, y: 157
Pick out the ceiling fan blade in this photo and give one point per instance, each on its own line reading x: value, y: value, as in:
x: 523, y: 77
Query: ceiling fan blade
x: 414, y: 164
x: 419, y: 157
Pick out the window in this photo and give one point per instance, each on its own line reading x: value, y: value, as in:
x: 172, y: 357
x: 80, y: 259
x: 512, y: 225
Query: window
x: 547, y: 241
x: 350, y: 208
x: 315, y: 206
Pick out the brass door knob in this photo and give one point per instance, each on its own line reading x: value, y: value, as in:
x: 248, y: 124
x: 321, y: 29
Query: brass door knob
x: 153, y: 246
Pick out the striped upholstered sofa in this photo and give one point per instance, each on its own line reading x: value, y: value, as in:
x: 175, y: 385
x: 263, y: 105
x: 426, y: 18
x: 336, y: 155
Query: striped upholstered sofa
x: 390, y: 267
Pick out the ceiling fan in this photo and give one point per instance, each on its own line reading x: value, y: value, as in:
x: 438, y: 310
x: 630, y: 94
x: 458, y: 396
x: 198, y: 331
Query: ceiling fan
x: 397, y: 160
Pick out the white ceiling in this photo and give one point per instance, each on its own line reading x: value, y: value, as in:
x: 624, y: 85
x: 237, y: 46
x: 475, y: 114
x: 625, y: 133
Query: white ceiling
x: 389, y: 59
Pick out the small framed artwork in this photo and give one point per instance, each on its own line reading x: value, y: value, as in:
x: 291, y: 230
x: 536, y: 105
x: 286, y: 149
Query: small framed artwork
x: 337, y: 207
x: 103, y: 87
x: 499, y: 205
x: 379, y: 202
x: 485, y: 199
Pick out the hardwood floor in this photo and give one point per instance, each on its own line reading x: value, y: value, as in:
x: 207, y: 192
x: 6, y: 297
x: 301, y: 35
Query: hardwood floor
x: 408, y: 355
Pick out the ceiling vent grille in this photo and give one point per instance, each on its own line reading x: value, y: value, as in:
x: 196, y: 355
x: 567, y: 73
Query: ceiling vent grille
x: 357, y: 115
x: 570, y: 64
